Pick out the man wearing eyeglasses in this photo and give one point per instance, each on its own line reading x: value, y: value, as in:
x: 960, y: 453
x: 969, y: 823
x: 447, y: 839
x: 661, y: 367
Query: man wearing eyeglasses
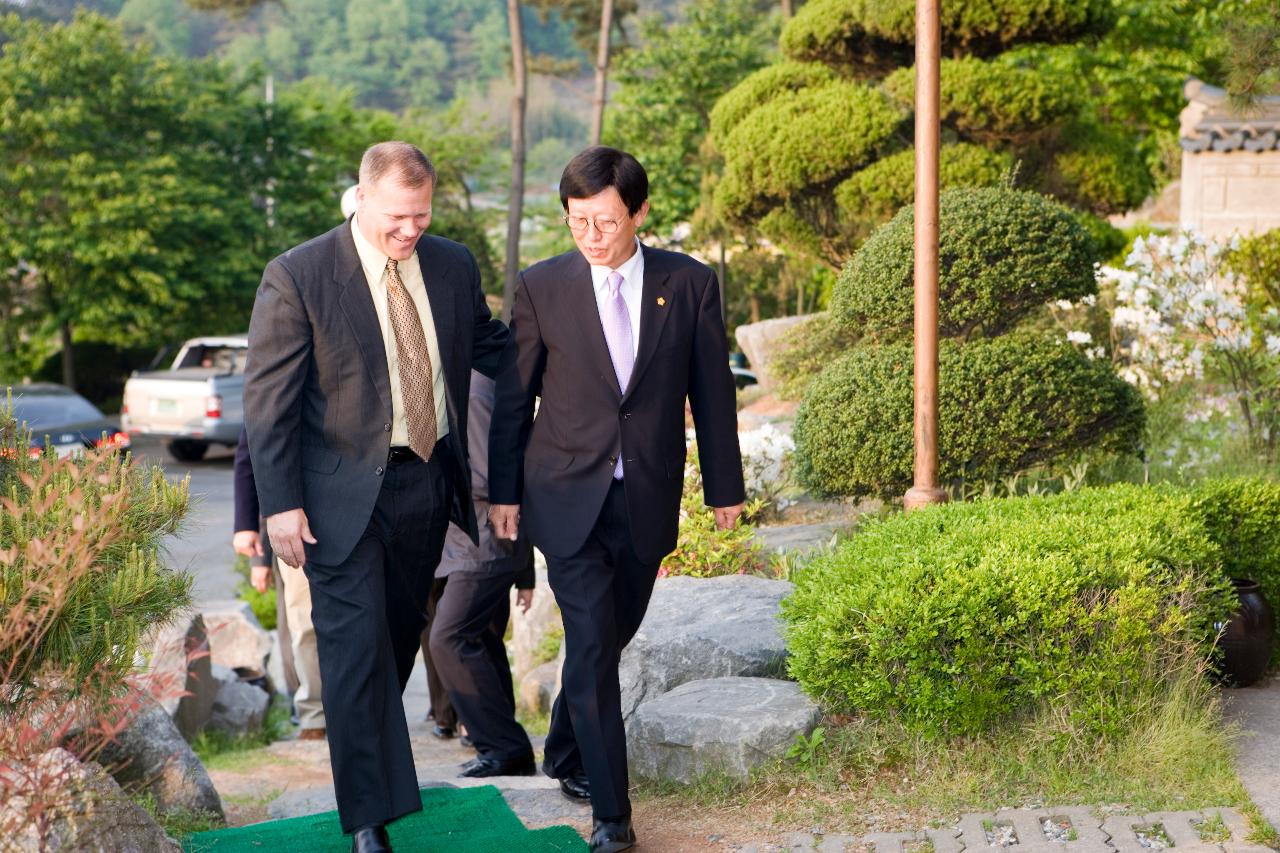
x: 613, y: 337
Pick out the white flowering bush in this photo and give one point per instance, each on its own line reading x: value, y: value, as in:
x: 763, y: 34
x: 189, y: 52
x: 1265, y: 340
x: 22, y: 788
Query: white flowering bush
x: 1179, y: 313
x: 766, y: 462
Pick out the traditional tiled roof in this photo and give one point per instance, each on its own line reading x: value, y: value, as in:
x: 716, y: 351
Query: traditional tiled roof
x: 1209, y: 123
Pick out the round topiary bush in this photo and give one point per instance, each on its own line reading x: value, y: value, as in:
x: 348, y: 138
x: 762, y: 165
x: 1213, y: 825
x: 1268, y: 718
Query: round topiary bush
x: 1004, y: 404
x: 876, y: 193
x: 1002, y: 253
x: 960, y: 618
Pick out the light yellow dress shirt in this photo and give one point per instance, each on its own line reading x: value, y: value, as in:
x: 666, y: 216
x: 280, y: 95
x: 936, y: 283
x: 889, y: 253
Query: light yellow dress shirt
x: 375, y: 272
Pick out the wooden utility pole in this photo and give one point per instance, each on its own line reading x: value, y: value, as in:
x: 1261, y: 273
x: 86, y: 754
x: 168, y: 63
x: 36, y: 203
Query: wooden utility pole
x: 602, y: 71
x: 515, y: 208
x: 928, y: 59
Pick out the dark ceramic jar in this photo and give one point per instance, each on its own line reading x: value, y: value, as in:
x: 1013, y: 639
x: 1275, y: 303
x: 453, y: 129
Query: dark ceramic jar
x: 1249, y: 636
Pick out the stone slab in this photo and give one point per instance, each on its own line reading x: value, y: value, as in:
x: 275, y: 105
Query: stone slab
x: 726, y: 725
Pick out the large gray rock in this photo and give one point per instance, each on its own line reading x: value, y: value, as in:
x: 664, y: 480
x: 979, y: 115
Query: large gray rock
x: 799, y: 538
x: 700, y: 628
x: 238, y: 706
x: 88, y: 812
x: 236, y: 637
x: 179, y: 674
x: 726, y: 725
x: 538, y: 687
x: 761, y: 341
x: 151, y: 756
x: 530, y: 630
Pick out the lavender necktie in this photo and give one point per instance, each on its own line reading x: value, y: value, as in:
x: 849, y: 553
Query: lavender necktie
x: 617, y: 334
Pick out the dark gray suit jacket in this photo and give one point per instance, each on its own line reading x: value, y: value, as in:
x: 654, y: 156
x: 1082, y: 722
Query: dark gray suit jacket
x: 317, y: 395
x: 488, y: 555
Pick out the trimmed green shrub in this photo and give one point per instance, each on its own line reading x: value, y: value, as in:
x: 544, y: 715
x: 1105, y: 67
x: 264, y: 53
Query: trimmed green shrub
x: 871, y: 35
x: 879, y: 191
x: 806, y: 349
x: 1103, y: 171
x: 994, y: 101
x: 1002, y: 253
x: 959, y: 619
x: 1243, y: 515
x: 761, y: 86
x: 1004, y: 405
x: 790, y: 142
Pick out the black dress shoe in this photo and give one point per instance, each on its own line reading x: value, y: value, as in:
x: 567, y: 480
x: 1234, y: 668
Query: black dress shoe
x: 611, y: 836
x: 370, y: 839
x: 442, y: 732
x: 576, y: 787
x: 466, y: 742
x: 481, y: 767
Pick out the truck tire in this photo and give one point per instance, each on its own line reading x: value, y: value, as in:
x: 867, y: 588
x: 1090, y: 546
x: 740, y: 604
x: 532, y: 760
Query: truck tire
x: 187, y: 450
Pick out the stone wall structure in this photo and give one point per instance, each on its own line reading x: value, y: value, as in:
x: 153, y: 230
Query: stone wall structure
x: 1230, y: 164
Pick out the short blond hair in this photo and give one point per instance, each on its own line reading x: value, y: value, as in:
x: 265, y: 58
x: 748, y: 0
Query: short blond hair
x: 401, y: 160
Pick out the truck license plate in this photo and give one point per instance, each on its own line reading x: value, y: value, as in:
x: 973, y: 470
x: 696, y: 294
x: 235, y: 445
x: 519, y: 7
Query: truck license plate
x: 166, y: 407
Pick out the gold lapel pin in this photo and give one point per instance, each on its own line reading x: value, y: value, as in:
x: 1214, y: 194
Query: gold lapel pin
x: 662, y: 300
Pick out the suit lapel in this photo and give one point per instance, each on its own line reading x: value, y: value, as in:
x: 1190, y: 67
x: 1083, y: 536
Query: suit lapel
x: 357, y: 305
x: 655, y: 306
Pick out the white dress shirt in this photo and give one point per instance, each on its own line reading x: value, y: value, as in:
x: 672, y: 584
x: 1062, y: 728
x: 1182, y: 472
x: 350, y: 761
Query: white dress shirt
x: 632, y: 290
x: 375, y: 272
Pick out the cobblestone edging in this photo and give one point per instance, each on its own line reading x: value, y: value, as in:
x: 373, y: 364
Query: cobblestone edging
x: 1074, y: 829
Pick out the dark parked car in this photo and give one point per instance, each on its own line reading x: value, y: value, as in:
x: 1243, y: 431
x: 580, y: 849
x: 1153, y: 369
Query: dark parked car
x: 64, y: 420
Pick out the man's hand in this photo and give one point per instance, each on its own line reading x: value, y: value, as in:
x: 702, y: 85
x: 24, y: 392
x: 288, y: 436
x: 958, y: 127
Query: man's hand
x: 247, y: 542
x: 288, y: 531
x: 524, y: 599
x: 505, y: 519
x: 258, y: 576
x: 726, y: 516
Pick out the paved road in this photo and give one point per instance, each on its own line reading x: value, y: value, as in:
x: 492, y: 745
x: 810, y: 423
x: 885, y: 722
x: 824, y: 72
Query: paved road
x: 203, y: 547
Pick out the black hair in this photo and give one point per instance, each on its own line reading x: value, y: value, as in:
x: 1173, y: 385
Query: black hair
x: 600, y: 167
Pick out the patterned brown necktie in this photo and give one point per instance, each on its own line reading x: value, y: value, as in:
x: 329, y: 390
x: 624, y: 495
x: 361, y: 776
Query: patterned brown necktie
x: 417, y: 385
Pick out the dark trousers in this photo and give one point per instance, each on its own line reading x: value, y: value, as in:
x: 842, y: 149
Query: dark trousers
x: 467, y: 647
x: 603, y: 591
x: 369, y: 612
x: 441, y: 708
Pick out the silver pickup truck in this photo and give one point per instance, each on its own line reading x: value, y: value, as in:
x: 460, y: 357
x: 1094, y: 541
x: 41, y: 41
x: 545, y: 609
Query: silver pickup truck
x: 197, y: 402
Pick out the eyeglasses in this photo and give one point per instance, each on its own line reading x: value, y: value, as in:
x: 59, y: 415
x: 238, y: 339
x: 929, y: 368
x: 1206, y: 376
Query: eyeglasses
x: 580, y: 223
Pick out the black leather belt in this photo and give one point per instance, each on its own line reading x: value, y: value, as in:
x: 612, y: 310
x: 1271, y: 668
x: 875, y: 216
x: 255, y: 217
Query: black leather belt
x: 400, y: 454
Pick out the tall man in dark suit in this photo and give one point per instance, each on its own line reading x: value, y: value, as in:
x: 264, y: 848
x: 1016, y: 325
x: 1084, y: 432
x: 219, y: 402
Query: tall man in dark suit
x: 360, y: 348
x: 613, y: 337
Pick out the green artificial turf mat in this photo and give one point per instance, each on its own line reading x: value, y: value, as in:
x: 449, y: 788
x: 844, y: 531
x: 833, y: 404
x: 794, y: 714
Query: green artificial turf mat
x: 452, y: 820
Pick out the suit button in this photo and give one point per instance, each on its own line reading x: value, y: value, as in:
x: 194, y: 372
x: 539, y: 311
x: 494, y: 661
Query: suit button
x: 613, y: 460
x: 386, y: 427
x: 626, y: 415
x: 378, y: 471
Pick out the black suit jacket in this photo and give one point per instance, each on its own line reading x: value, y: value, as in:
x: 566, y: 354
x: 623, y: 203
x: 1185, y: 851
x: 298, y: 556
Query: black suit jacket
x: 559, y: 466
x: 317, y: 395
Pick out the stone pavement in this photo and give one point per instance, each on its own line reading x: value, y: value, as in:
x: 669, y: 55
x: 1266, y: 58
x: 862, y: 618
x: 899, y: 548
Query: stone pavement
x: 1256, y: 710
x: 1053, y: 830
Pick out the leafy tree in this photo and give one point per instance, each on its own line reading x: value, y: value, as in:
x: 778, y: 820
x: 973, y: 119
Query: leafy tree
x: 119, y: 194
x: 146, y: 194
x: 1083, y: 95
x: 668, y: 86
